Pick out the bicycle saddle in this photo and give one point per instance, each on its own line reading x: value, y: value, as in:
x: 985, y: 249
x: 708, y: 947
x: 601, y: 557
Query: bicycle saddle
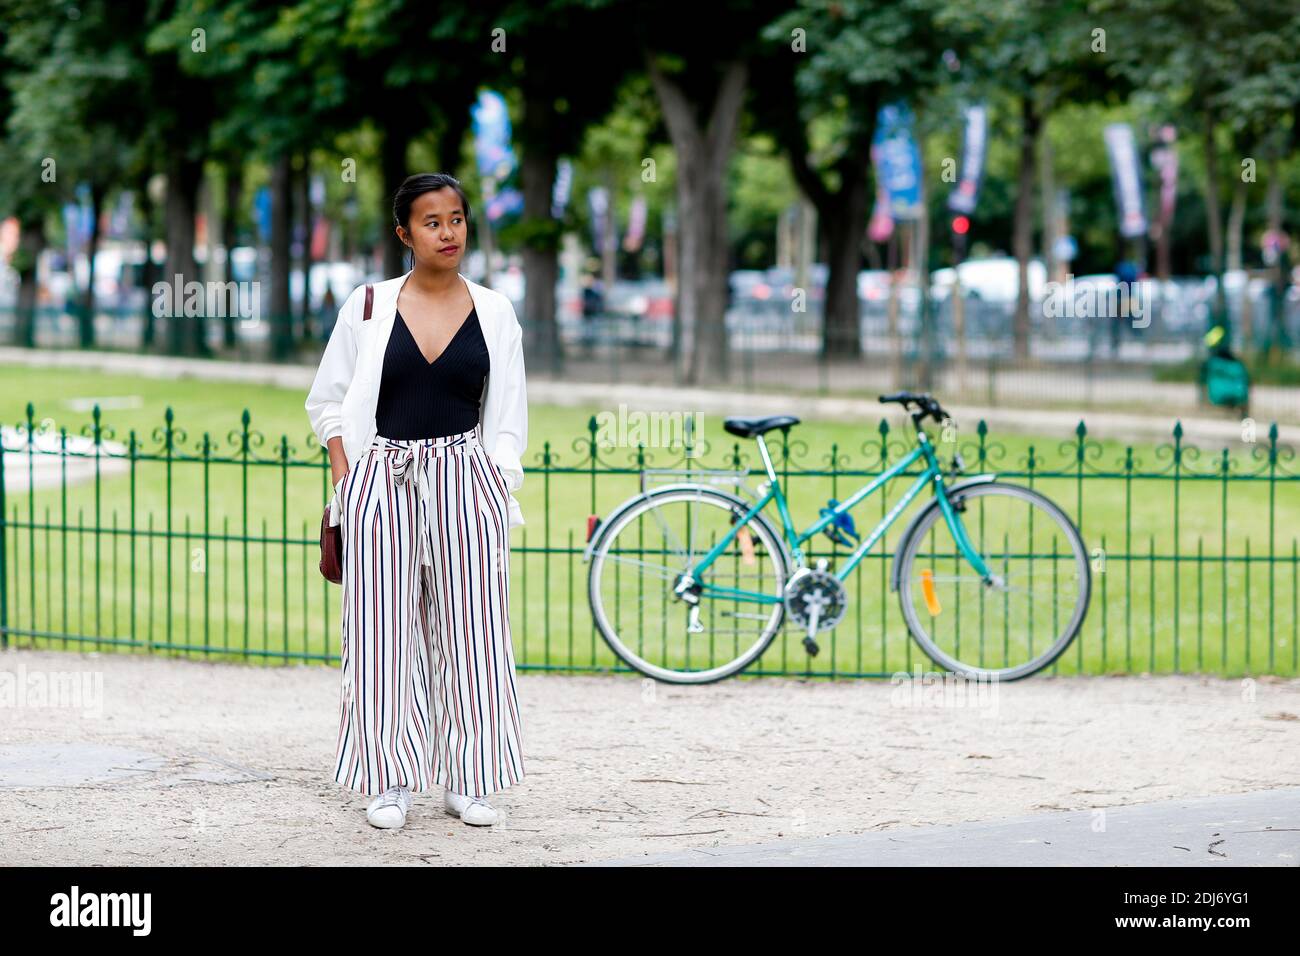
x: 749, y: 427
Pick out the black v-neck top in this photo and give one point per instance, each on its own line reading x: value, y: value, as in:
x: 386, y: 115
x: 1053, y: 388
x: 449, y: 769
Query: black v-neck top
x: 422, y: 399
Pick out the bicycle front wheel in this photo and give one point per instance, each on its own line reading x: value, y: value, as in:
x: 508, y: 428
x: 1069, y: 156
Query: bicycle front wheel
x: 642, y: 554
x: 1026, y: 619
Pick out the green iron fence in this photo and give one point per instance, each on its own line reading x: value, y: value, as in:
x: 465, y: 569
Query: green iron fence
x: 208, y: 546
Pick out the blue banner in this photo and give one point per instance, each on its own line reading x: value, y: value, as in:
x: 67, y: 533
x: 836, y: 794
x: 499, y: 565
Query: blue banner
x: 492, y: 148
x: 898, y: 160
x: 262, y: 212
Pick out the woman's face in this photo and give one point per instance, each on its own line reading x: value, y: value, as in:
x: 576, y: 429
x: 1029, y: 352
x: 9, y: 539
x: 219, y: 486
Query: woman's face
x: 436, y: 229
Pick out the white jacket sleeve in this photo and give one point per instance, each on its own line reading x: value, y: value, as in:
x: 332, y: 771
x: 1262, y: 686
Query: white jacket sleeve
x: 512, y: 435
x: 325, y: 398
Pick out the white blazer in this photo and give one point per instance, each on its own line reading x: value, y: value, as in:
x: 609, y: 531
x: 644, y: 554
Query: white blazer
x: 345, y: 393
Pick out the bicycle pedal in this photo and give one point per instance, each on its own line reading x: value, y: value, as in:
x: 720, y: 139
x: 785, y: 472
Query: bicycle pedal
x: 811, y: 646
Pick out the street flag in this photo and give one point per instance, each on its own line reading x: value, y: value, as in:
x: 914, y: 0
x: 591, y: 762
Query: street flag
x: 1126, y: 176
x: 964, y: 197
x: 898, y: 160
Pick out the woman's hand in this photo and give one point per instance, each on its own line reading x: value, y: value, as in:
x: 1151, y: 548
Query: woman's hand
x: 338, y: 461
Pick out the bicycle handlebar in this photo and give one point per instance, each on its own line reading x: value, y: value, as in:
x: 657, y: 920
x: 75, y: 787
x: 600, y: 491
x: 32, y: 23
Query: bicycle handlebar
x: 924, y: 403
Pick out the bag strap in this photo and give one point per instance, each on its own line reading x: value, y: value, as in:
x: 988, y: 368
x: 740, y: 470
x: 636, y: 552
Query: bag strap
x: 370, y: 301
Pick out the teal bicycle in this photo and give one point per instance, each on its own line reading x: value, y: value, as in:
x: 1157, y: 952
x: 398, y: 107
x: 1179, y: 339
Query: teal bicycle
x: 689, y: 583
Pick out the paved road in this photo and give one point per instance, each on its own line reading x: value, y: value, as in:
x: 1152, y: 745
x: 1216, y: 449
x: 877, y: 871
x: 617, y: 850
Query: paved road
x: 1253, y: 829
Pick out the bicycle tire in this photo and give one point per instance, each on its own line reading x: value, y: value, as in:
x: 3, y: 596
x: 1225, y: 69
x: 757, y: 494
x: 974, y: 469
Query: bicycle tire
x: 621, y: 518
x: 907, y: 554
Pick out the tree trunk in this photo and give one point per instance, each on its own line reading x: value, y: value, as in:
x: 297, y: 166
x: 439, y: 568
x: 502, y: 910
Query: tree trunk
x: 184, y: 333
x: 1047, y: 199
x: 702, y: 155
x: 1213, y: 217
x: 609, y: 238
x: 1279, y: 271
x: 393, y: 161
x: 31, y: 244
x: 843, y: 221
x: 229, y: 238
x: 1236, y: 225
x: 922, y: 262
x: 302, y: 202
x: 1164, y: 265
x: 149, y: 273
x: 86, y: 321
x: 281, y: 330
x: 892, y: 254
x: 1022, y: 241
x: 455, y: 122
x: 541, y: 247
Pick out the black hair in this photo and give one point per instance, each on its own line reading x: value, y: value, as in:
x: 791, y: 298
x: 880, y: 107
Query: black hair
x: 418, y: 185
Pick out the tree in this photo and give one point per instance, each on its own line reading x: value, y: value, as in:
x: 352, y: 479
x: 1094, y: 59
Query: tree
x: 409, y: 68
x: 1045, y: 53
x: 64, y: 131
x: 1211, y: 62
x: 249, y: 50
x: 31, y: 190
x: 563, y: 95
x: 700, y: 76
x: 76, y: 69
x: 840, y: 60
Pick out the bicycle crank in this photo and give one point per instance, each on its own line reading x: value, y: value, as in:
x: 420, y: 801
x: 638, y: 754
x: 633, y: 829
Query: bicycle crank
x: 816, y: 600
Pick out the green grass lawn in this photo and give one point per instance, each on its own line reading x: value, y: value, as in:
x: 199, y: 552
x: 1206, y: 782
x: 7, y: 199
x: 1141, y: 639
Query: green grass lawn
x: 220, y: 554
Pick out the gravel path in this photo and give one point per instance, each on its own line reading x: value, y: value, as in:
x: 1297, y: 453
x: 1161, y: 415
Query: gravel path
x: 205, y: 763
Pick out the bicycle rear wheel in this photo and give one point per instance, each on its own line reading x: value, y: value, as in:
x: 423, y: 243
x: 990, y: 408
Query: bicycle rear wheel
x: 641, y: 555
x: 1017, y: 626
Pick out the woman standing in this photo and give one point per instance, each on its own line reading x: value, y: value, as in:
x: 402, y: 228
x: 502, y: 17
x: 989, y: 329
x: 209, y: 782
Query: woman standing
x: 420, y: 400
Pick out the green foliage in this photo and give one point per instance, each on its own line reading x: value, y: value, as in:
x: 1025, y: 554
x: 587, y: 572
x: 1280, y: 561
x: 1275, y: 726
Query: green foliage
x: 111, y: 90
x: 70, y: 70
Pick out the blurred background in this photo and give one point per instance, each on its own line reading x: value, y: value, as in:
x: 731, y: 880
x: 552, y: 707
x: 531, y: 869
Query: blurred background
x: 1074, y: 222
x: 1009, y: 202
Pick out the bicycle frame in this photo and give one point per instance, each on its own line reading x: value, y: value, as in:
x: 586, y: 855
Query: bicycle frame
x: 932, y: 475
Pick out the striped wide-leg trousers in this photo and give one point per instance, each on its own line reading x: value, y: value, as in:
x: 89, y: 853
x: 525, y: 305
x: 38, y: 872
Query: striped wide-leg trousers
x: 428, y: 677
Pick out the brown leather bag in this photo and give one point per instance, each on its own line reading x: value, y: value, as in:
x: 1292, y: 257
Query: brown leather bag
x: 331, y: 536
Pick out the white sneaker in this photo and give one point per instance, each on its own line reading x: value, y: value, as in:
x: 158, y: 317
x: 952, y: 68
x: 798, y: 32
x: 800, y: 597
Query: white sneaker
x: 473, y: 810
x: 388, y: 810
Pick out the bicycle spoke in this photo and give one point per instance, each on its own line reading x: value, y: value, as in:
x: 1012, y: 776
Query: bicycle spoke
x: 668, y: 574
x: 653, y: 628
x: 1046, y: 588
x: 667, y: 531
x: 1017, y: 625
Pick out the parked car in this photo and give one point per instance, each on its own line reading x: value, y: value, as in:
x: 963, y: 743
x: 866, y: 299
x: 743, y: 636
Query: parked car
x: 994, y: 280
